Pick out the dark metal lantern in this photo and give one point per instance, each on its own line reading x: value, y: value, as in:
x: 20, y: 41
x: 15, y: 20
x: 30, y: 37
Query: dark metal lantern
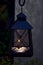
x: 21, y: 37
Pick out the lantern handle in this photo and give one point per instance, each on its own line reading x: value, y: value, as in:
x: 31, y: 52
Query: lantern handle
x: 22, y: 3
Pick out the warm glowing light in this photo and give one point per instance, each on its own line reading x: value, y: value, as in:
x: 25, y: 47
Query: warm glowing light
x: 19, y: 40
x: 21, y: 49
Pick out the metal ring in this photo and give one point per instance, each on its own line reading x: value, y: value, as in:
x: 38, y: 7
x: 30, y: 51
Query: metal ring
x: 22, y: 3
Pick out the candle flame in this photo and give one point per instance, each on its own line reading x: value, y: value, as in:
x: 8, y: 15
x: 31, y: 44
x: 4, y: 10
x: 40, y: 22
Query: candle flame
x: 19, y: 40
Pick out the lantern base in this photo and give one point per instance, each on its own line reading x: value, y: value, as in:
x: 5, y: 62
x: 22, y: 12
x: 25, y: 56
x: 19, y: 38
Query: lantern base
x: 28, y: 53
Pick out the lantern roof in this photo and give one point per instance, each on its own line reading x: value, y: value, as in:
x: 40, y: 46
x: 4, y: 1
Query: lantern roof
x: 21, y: 22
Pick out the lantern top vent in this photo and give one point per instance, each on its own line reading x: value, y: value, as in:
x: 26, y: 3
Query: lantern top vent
x: 21, y: 22
x: 21, y: 17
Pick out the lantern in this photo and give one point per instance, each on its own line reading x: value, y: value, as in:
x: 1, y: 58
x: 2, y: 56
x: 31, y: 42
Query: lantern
x: 21, y: 37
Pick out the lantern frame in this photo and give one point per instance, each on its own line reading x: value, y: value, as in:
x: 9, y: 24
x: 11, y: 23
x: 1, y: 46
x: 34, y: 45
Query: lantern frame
x: 29, y: 53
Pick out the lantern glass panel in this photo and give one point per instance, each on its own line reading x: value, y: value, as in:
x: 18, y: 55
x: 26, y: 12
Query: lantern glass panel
x: 21, y: 38
x: 21, y: 41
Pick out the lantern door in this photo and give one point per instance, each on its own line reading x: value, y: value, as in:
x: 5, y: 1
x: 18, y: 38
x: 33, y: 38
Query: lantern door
x: 21, y: 41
